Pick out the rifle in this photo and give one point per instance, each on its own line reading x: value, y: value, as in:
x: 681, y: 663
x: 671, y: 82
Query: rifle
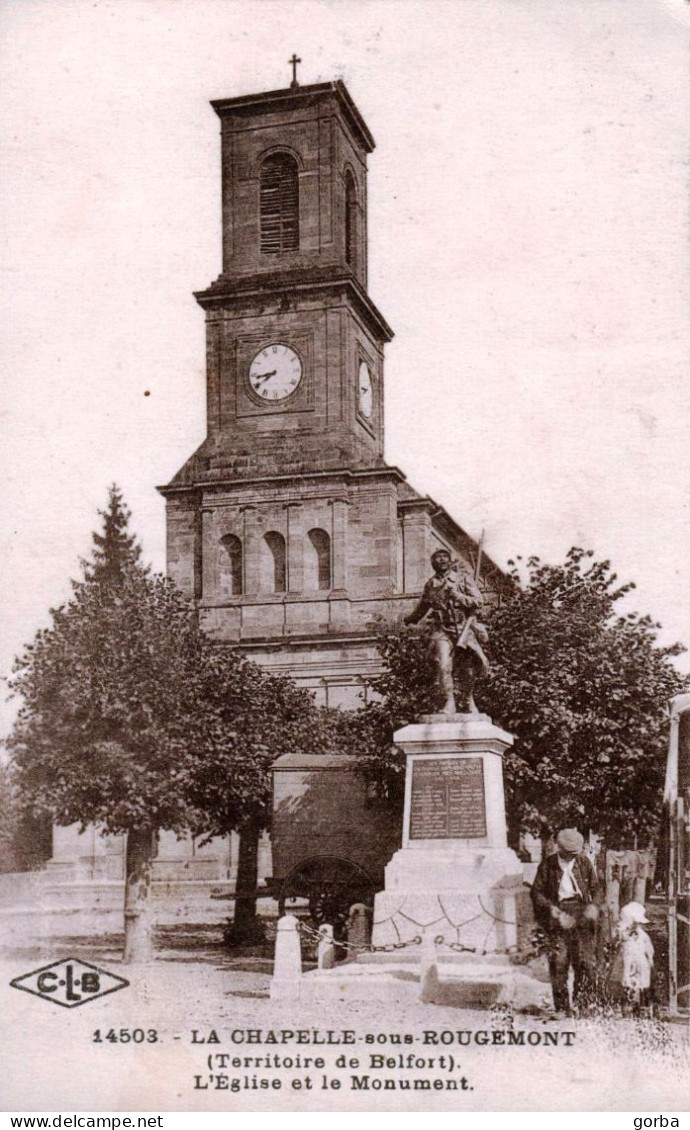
x: 471, y: 620
x: 478, y: 563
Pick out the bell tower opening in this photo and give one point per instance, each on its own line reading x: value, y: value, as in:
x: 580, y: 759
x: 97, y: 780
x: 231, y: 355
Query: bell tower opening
x: 279, y: 204
x: 350, y: 220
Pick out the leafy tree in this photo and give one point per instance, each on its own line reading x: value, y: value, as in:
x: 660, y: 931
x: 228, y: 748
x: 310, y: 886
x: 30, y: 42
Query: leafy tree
x: 25, y: 841
x: 583, y: 689
x: 134, y: 720
x: 264, y: 716
x: 102, y: 736
x: 11, y: 818
x: 403, y: 690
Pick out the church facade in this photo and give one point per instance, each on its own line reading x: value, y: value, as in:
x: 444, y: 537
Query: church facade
x: 286, y: 527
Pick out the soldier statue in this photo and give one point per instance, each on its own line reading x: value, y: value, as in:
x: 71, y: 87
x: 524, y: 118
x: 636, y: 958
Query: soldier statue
x: 451, y: 600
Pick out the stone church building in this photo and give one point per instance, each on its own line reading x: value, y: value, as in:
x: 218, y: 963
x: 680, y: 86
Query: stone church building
x: 287, y: 527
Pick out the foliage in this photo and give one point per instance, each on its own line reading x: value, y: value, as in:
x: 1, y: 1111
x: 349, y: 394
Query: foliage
x: 9, y: 825
x: 25, y: 841
x: 246, y: 718
x: 583, y: 690
x: 131, y: 715
x: 102, y: 733
x: 402, y: 691
x: 115, y: 551
x: 134, y: 720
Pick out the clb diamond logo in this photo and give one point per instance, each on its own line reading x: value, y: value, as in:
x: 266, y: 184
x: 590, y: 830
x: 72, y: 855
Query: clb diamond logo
x: 69, y: 982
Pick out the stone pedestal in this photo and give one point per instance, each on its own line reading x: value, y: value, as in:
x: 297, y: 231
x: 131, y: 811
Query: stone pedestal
x: 455, y: 907
x: 455, y: 876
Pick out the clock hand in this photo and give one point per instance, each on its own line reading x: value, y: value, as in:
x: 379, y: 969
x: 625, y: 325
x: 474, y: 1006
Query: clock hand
x: 265, y: 376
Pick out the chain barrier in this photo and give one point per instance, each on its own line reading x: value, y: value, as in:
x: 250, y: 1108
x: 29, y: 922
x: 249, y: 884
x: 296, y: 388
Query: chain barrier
x: 518, y: 956
x: 315, y: 935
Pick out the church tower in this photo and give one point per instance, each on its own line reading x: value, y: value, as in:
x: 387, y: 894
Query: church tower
x: 286, y: 526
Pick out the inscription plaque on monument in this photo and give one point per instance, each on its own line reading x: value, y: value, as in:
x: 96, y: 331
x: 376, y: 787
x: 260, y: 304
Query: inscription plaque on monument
x: 448, y: 799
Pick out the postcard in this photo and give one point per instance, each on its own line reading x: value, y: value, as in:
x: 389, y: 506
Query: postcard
x: 360, y: 320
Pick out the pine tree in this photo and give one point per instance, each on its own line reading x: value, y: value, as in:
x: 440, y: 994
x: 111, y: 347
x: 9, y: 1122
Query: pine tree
x: 115, y: 550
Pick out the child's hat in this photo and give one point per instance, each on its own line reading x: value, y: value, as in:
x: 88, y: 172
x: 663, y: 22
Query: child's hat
x: 635, y: 912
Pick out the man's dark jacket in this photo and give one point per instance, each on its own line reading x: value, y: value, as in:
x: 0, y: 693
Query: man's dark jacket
x: 548, y: 880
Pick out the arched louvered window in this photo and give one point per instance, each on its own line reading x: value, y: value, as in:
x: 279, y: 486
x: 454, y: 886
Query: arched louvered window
x: 317, y: 560
x: 230, y: 566
x: 350, y: 219
x: 279, y: 205
x: 274, y: 571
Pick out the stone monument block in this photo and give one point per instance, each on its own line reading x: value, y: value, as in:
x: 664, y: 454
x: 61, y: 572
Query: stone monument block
x: 455, y: 876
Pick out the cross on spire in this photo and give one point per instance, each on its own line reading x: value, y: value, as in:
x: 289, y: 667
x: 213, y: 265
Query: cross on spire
x: 293, y: 62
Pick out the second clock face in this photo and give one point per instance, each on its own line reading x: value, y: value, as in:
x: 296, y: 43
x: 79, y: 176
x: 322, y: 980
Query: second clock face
x: 365, y: 395
x: 275, y: 372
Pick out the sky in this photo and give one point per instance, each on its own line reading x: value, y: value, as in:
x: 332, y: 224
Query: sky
x: 528, y: 227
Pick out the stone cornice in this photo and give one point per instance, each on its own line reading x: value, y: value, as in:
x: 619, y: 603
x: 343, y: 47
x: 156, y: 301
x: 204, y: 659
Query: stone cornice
x: 227, y: 290
x: 345, y: 476
x: 294, y: 98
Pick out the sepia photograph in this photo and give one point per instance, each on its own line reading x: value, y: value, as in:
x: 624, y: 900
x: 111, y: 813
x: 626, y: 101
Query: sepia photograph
x: 345, y: 713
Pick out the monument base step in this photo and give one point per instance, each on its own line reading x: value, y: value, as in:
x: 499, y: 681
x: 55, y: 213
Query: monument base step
x: 495, y: 919
x: 467, y: 984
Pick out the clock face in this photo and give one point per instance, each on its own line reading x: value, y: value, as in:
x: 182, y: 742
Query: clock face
x: 365, y: 396
x: 275, y: 372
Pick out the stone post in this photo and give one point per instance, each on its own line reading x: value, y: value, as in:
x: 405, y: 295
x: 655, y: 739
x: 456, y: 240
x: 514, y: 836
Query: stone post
x: 325, y: 953
x: 359, y: 928
x: 640, y: 889
x: 428, y: 972
x: 287, y: 964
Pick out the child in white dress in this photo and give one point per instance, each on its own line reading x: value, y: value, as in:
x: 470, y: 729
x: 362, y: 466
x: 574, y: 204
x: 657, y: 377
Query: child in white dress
x: 631, y: 975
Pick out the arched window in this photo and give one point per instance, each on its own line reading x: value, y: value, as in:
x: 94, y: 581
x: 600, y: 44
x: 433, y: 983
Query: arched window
x: 317, y: 560
x: 274, y: 572
x: 279, y: 204
x: 230, y: 566
x: 350, y: 219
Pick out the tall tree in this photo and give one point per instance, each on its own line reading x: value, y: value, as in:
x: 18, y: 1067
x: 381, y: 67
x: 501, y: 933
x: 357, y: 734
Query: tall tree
x: 583, y: 689
x: 102, y: 736
x: 135, y: 721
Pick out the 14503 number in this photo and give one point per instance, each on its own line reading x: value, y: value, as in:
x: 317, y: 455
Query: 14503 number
x: 126, y: 1036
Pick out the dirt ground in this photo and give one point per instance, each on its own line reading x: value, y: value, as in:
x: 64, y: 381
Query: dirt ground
x: 210, y: 1033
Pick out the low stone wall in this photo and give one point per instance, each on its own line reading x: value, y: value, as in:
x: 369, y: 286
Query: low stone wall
x: 33, y: 907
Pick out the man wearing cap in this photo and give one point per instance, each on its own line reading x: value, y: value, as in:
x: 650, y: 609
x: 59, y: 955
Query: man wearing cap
x: 565, y: 896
